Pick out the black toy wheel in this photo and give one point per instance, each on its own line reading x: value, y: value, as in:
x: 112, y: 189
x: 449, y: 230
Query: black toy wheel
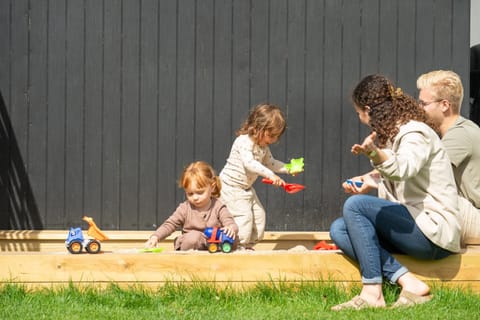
x: 212, y: 247
x: 226, y: 247
x: 93, y: 246
x: 75, y: 247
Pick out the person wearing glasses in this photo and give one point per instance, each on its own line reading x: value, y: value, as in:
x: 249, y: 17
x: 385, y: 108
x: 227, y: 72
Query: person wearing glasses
x: 441, y: 95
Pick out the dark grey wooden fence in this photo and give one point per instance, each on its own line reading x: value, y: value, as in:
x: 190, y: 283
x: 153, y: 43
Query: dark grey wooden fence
x: 103, y: 102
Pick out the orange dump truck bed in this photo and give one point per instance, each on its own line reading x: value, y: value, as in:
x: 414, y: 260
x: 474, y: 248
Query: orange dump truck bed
x: 93, y: 231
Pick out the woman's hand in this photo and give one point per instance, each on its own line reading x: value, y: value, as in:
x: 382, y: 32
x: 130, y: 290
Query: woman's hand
x: 151, y: 242
x: 370, y: 149
x: 367, y: 147
x: 351, y: 186
x: 369, y: 181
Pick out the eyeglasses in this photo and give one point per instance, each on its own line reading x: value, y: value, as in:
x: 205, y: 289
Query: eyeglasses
x: 423, y: 104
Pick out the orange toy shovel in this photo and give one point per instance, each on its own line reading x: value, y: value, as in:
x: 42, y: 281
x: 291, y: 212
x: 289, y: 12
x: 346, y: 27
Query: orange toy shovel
x: 289, y: 187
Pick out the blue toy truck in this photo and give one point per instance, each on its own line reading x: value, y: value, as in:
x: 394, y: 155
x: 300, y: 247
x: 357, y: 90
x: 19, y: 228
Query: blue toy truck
x: 75, y: 241
x: 218, y: 240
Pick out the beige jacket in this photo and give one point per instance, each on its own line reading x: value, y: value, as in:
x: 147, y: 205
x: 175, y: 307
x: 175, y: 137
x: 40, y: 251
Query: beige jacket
x: 418, y: 174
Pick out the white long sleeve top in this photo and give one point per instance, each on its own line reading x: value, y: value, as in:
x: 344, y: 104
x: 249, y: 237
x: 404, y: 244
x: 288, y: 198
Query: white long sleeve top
x: 247, y: 161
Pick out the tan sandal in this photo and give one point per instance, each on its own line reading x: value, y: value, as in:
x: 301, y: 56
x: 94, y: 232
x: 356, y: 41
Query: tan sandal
x: 409, y: 299
x: 356, y: 303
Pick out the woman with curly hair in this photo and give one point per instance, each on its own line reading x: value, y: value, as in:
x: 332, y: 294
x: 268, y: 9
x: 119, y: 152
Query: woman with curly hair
x: 416, y: 210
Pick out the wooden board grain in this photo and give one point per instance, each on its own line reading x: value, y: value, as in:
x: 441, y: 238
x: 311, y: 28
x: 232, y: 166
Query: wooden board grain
x: 40, y: 259
x: 129, y: 267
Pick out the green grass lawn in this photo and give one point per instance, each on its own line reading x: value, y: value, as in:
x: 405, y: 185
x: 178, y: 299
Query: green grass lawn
x: 200, y: 301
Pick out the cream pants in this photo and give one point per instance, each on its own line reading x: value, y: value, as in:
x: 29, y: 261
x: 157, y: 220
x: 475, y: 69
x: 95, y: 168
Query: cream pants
x: 247, y: 211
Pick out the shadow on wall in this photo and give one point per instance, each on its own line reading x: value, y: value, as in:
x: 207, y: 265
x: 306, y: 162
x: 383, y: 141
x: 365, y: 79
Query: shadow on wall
x: 18, y: 209
x: 475, y: 84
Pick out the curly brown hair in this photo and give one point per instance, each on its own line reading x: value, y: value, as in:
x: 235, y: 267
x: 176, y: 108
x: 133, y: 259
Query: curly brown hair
x: 263, y: 118
x: 389, y: 107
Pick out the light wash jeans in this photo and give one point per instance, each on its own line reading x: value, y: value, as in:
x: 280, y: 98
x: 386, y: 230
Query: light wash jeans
x: 371, y: 229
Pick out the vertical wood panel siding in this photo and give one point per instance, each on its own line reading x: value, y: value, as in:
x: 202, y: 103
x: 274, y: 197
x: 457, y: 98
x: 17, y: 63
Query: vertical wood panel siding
x: 104, y: 101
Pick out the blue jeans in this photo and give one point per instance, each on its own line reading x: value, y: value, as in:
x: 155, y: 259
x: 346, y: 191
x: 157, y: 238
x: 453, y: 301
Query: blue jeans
x: 371, y: 229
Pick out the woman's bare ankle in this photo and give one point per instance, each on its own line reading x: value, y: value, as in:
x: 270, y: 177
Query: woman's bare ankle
x: 410, y: 283
x: 373, y: 295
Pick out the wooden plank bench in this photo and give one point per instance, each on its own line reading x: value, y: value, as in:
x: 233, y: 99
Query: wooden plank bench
x: 54, y: 240
x: 39, y: 259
